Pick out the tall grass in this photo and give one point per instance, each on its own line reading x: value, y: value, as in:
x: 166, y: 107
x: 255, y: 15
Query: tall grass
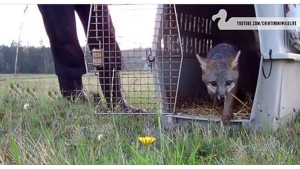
x: 56, y: 132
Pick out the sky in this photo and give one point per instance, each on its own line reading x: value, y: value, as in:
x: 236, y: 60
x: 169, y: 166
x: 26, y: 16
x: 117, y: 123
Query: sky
x: 134, y: 25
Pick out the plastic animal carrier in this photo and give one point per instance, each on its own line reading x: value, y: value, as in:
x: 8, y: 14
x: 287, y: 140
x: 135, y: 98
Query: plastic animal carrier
x: 168, y: 71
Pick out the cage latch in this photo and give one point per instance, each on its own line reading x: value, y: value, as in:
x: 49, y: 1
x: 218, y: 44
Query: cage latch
x: 149, y: 55
x: 97, y: 57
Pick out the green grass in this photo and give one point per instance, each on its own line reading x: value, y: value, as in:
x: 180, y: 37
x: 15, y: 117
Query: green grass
x: 56, y: 132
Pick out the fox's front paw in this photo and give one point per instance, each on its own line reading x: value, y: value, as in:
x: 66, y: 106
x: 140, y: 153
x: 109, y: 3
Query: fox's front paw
x: 226, y: 118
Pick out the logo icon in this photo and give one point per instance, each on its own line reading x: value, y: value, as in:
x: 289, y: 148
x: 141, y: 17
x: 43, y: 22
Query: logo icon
x: 254, y: 23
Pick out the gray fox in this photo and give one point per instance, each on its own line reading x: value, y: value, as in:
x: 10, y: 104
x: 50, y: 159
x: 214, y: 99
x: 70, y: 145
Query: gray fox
x: 220, y: 74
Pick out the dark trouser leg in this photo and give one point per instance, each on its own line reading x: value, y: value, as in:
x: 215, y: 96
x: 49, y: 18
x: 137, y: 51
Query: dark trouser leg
x: 112, y: 53
x: 68, y: 57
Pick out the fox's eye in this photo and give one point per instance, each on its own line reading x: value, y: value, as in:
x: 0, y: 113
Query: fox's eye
x: 213, y: 83
x: 228, y: 82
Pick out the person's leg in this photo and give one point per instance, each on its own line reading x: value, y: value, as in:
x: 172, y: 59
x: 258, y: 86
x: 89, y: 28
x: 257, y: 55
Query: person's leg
x: 68, y: 57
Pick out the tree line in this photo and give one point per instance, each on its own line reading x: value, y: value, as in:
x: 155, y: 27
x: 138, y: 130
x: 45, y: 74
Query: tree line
x: 39, y: 59
x: 31, y: 59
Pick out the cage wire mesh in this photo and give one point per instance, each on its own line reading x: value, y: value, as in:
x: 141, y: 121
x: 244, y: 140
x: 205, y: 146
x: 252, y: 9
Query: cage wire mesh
x: 183, y: 34
x: 141, y: 69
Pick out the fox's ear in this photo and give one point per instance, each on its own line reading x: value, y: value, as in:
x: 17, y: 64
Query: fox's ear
x: 203, y: 61
x: 234, y: 60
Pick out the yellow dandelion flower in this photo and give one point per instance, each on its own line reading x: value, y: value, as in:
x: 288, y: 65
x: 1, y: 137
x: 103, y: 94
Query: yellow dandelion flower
x: 146, y: 141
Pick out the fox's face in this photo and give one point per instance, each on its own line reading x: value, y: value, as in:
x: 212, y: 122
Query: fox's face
x: 220, y: 75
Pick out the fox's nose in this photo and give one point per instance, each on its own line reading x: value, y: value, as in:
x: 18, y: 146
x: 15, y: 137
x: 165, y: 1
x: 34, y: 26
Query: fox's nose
x: 222, y: 97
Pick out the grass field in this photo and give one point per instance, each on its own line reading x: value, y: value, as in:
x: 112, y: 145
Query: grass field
x: 56, y: 132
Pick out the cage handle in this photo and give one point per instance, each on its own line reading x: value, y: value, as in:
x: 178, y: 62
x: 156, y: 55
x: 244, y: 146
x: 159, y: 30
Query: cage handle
x: 263, y: 71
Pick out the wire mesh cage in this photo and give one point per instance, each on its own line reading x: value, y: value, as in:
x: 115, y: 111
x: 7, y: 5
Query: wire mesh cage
x: 182, y: 36
x: 123, y: 73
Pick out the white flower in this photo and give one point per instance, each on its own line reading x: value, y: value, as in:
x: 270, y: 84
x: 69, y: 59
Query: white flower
x: 26, y: 105
x: 99, y: 137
